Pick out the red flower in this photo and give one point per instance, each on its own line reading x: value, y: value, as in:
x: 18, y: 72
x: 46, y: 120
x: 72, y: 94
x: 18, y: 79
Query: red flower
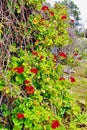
x: 26, y: 81
x: 55, y: 58
x: 42, y: 21
x: 63, y: 17
x: 19, y: 70
x: 75, y: 54
x: 44, y: 8
x: 41, y: 57
x: 34, y: 70
x: 61, y: 78
x: 79, y: 58
x: 62, y: 54
x: 55, y: 124
x: 34, y: 53
x: 72, y: 79
x: 30, y: 89
x: 72, y: 21
x: 51, y: 13
x: 20, y: 115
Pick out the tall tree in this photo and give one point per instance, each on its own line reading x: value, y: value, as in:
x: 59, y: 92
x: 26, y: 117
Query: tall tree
x: 73, y: 9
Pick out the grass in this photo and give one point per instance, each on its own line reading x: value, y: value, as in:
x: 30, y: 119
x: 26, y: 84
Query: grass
x: 79, y: 91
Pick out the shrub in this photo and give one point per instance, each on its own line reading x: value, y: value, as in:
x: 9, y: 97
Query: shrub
x: 35, y: 96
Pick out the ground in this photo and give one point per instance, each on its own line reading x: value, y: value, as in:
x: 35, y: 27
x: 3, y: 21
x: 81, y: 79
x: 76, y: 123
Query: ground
x: 79, y: 91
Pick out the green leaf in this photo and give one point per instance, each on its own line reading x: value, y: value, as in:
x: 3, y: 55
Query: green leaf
x: 28, y: 123
x: 12, y: 48
x: 31, y: 17
x: 18, y: 11
x: 61, y: 128
x: 17, y: 127
x: 16, y: 6
x: 20, y: 78
x: 6, y: 113
x: 2, y: 84
x: 42, y: 29
x: 1, y: 88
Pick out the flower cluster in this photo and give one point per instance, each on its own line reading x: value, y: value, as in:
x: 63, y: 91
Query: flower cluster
x: 41, y: 57
x: 79, y: 58
x: 30, y: 89
x: 72, y: 21
x: 44, y: 8
x: 61, y: 78
x: 19, y: 69
x: 20, y: 115
x: 26, y: 81
x: 63, y: 17
x: 55, y: 124
x: 76, y: 54
x: 72, y: 79
x: 34, y: 70
x: 34, y: 53
x: 55, y: 58
x: 62, y: 54
x: 51, y: 13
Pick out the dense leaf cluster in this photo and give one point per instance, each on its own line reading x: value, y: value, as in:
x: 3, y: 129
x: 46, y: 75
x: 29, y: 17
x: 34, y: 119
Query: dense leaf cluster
x: 32, y: 95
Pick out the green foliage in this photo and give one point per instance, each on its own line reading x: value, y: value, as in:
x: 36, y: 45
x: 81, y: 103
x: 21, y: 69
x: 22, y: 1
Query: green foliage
x: 33, y: 89
x: 2, y: 84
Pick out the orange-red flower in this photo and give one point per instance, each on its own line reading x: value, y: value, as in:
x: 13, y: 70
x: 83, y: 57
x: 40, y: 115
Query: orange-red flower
x: 41, y: 57
x: 20, y: 115
x: 19, y: 69
x: 75, y: 54
x: 55, y: 58
x: 42, y: 21
x: 26, y: 81
x: 34, y: 53
x: 72, y: 21
x: 34, y: 70
x: 51, y: 13
x: 62, y: 54
x: 79, y: 58
x: 61, y: 78
x: 45, y: 8
x: 30, y: 89
x: 72, y: 79
x: 55, y: 124
x: 63, y: 17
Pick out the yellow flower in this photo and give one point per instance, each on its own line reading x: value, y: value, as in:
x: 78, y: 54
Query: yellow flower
x: 35, y: 21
